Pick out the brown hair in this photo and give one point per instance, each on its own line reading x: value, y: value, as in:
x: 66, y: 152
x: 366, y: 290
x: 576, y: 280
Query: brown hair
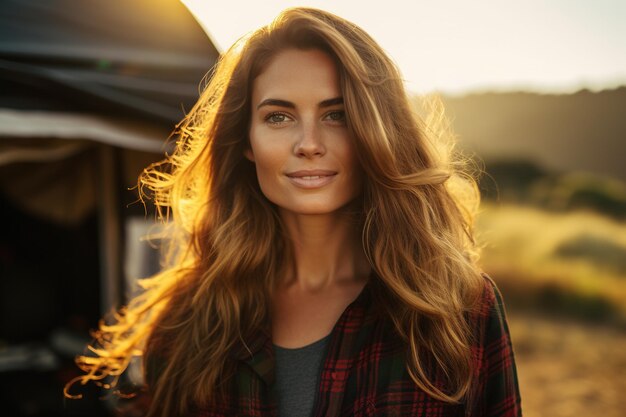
x: 230, y: 243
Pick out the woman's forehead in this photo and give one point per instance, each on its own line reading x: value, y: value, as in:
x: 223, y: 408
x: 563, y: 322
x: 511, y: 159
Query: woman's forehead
x: 298, y: 73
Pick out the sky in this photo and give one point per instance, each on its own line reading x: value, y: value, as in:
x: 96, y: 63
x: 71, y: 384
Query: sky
x: 461, y: 46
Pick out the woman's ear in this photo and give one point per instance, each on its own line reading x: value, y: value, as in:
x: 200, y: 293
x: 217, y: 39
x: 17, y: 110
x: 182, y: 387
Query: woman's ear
x: 248, y: 154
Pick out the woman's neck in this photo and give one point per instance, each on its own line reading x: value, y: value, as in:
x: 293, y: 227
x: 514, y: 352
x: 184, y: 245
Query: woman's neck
x: 327, y: 251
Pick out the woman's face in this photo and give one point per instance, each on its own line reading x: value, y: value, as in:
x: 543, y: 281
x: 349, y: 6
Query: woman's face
x: 299, y: 141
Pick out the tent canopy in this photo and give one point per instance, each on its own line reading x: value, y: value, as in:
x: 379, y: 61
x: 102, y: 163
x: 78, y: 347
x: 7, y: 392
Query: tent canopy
x: 140, y: 58
x: 81, y: 78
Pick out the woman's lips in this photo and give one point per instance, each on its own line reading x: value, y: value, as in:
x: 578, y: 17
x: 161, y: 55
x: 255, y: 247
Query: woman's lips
x: 312, y: 178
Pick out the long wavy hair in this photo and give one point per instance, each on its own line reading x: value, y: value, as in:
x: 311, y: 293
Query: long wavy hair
x: 229, y: 244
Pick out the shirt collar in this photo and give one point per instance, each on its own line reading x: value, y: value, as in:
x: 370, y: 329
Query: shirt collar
x: 258, y: 351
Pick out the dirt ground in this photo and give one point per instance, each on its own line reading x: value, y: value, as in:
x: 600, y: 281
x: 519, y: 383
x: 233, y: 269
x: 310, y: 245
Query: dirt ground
x: 568, y: 368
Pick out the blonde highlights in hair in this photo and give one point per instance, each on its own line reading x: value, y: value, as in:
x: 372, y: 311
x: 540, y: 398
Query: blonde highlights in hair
x: 230, y: 244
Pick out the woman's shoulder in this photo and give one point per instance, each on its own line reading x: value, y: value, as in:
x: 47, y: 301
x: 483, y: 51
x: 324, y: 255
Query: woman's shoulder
x: 497, y: 383
x: 490, y: 300
x: 488, y: 318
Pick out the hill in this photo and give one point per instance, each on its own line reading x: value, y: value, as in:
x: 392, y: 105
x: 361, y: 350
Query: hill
x: 584, y: 131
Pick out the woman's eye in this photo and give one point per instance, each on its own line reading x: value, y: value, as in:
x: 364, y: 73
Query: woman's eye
x: 276, y: 118
x: 337, y: 116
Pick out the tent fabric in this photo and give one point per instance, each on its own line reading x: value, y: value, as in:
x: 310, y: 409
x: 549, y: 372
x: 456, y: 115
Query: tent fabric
x: 60, y: 180
x: 78, y: 76
x: 103, y: 129
x: 140, y: 57
x: 62, y: 192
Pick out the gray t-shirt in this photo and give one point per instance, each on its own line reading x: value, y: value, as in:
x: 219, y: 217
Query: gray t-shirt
x: 297, y: 377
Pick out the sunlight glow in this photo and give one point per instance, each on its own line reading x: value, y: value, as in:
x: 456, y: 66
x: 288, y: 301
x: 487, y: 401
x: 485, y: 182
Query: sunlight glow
x: 455, y: 46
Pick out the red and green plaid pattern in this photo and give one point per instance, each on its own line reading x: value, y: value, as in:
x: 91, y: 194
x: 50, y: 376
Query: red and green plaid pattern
x: 364, y: 373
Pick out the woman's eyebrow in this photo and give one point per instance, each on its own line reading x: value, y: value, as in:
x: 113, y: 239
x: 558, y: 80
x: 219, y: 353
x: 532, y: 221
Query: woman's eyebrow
x: 331, y: 102
x: 288, y: 104
x: 276, y: 102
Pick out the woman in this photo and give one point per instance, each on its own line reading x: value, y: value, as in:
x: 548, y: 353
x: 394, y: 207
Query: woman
x: 324, y: 263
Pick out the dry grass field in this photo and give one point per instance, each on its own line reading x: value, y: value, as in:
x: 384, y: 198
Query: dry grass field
x: 568, y: 368
x: 563, y: 276
x: 573, y: 261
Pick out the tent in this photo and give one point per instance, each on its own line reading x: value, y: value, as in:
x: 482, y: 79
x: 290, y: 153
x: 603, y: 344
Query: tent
x: 89, y: 93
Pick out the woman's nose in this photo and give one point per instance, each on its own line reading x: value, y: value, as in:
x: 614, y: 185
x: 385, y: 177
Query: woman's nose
x: 310, y: 142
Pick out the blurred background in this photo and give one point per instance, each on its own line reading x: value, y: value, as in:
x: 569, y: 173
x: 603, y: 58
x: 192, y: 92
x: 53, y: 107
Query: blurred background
x: 535, y: 91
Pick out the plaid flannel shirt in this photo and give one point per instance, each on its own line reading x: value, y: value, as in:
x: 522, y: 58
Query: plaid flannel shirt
x: 364, y: 372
